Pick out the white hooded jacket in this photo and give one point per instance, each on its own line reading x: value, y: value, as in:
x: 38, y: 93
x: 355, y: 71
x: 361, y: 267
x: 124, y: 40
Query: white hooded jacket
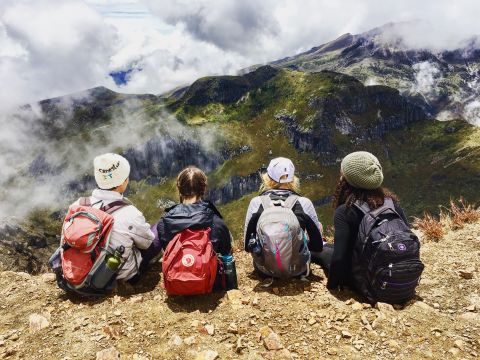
x: 129, y: 229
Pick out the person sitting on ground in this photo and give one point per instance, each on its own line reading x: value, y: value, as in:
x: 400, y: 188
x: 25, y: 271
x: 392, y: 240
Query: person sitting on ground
x: 130, y: 229
x: 280, y: 188
x: 187, y: 231
x: 360, y: 183
x: 193, y: 212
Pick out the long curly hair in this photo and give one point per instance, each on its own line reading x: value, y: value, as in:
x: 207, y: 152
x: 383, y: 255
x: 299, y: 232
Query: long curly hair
x: 347, y: 194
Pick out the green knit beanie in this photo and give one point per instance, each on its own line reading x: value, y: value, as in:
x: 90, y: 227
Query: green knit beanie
x: 362, y: 170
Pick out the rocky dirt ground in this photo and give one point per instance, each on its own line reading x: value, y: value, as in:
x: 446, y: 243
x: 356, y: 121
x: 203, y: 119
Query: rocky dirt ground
x: 289, y: 320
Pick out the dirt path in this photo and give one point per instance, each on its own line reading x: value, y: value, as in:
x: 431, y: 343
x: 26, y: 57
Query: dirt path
x: 308, y: 321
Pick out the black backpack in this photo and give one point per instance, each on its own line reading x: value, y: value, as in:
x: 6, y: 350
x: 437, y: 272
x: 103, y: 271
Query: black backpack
x: 386, y: 262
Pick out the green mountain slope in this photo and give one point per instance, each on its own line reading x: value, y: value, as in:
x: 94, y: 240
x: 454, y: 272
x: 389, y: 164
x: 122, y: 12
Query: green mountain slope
x: 232, y: 126
x: 317, y: 118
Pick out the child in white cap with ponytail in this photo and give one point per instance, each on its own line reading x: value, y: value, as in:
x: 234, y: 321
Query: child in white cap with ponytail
x: 279, y: 184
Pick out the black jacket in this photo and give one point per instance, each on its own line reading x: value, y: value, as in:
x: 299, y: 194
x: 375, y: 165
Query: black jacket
x: 200, y: 215
x: 306, y: 223
x: 346, y: 222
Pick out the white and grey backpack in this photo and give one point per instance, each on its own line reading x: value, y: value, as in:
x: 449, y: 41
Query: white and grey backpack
x: 283, y: 242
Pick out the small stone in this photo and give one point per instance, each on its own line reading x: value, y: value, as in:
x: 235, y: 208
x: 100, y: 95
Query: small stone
x: 454, y: 351
x: 272, y: 342
x: 384, y: 307
x: 428, y: 354
x: 332, y: 351
x: 312, y: 321
x: 466, y: 273
x: 471, y: 308
x: 393, y: 344
x: 37, y: 322
x: 276, y: 290
x: 48, y: 277
x: 210, y: 328
x: 234, y: 295
x: 108, y: 354
x: 194, y: 323
x: 14, y: 337
x: 459, y: 344
x: 436, y: 305
x: 356, y: 306
x: 470, y: 316
x: 117, y: 313
x: 423, y: 306
x: 263, y: 332
x: 232, y: 328
x: 2, y: 343
x: 282, y: 354
x: 139, y: 357
x: 136, y: 299
x: 175, y: 340
x: 346, y: 334
x: 207, y: 355
x: 189, y: 340
x: 255, y: 301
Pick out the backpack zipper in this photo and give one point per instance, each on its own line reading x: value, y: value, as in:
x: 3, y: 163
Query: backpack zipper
x: 385, y: 283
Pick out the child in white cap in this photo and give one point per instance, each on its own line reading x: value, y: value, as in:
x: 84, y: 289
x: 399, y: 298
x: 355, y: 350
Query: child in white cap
x: 279, y: 183
x: 130, y: 228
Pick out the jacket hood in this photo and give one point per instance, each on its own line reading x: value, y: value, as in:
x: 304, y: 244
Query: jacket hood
x: 193, y: 216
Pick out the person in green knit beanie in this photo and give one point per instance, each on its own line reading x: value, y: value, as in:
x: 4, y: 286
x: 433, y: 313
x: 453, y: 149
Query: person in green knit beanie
x: 361, y: 179
x: 362, y: 170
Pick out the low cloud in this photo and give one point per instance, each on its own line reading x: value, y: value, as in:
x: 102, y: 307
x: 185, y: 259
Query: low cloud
x: 427, y: 75
x: 37, y: 168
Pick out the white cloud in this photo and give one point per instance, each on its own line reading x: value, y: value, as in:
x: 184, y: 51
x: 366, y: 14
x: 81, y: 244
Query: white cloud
x: 427, y: 75
x: 55, y: 48
x: 52, y: 47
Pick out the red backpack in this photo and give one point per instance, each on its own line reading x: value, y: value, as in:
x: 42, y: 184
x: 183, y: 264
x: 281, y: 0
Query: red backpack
x: 190, y: 263
x: 85, y: 240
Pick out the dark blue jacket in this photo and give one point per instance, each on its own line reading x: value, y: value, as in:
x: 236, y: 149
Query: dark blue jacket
x: 200, y: 215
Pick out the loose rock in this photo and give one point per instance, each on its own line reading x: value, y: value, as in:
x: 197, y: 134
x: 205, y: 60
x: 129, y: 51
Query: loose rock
x: 37, y: 322
x: 108, y: 354
x: 207, y: 355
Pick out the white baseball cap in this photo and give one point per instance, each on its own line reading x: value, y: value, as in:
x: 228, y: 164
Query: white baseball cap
x: 111, y: 170
x: 279, y: 167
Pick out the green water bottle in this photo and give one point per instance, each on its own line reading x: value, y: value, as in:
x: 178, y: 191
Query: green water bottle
x: 114, y: 261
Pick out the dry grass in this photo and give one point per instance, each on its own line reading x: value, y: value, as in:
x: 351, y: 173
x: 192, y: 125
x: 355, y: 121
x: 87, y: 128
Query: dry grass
x: 456, y: 216
x: 462, y: 213
x: 431, y: 227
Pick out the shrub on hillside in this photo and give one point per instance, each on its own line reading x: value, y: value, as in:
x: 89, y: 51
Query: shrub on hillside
x: 462, y: 213
x: 431, y: 227
x: 455, y: 217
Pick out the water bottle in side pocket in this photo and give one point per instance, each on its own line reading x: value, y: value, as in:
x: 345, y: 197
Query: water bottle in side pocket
x: 107, y: 269
x: 230, y: 271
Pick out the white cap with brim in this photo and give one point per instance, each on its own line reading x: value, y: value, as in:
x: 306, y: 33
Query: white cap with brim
x: 280, y: 167
x: 111, y: 170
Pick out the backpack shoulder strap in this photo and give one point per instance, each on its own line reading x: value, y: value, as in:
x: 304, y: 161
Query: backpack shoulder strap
x: 388, y: 206
x: 362, y: 206
x: 84, y: 201
x: 291, y: 201
x: 266, y: 202
x: 116, y: 205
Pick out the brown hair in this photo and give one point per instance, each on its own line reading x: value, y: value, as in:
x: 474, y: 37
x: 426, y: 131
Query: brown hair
x: 347, y: 194
x: 268, y: 184
x: 191, y: 182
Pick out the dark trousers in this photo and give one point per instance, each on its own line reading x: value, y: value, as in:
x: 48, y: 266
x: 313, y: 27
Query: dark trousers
x: 324, y: 258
